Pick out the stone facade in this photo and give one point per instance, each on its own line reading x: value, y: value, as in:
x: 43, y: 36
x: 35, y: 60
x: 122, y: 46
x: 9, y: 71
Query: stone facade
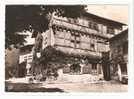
x: 119, y: 54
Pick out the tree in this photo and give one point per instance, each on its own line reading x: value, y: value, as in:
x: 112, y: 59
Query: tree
x: 50, y: 54
x: 34, y: 18
x: 11, y: 62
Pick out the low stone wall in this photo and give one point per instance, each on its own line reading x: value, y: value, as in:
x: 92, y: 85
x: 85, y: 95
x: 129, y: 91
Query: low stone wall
x: 84, y: 78
x: 78, y: 78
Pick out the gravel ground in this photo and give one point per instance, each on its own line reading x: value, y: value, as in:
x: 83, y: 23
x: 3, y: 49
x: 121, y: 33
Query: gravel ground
x: 107, y: 86
x: 90, y: 87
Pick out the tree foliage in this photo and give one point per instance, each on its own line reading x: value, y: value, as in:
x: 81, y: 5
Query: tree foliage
x: 34, y: 18
x: 42, y: 65
x: 50, y: 54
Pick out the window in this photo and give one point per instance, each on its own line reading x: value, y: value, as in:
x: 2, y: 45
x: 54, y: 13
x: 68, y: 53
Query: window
x: 96, y: 26
x: 110, y: 30
x: 89, y: 24
x: 75, y: 39
x: 70, y: 20
x: 93, y: 25
x: 92, y: 46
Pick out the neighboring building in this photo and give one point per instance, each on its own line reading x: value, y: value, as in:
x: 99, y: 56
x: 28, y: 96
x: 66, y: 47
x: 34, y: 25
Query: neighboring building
x: 18, y: 58
x: 18, y: 61
x: 26, y: 54
x: 119, y: 54
x: 83, y: 39
x: 25, y: 60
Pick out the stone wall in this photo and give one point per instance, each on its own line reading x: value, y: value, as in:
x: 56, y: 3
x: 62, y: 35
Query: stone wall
x: 84, y: 78
x: 116, y: 47
x: 117, y: 56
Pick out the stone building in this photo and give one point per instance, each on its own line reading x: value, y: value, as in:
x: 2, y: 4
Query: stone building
x: 119, y: 54
x: 82, y: 39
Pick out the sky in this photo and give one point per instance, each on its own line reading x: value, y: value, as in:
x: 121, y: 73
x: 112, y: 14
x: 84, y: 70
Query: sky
x: 114, y: 12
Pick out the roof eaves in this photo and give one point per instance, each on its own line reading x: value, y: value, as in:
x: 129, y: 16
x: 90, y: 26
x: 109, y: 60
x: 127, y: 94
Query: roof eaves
x: 125, y: 31
x: 106, y: 19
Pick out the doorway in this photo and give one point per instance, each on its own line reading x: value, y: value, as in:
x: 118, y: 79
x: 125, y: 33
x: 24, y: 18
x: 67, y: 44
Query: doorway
x: 75, y: 68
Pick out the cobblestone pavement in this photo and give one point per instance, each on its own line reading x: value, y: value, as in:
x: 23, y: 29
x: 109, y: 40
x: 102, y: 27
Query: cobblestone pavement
x: 105, y: 86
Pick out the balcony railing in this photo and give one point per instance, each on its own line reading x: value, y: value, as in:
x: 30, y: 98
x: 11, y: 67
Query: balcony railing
x: 78, y: 51
x: 77, y: 27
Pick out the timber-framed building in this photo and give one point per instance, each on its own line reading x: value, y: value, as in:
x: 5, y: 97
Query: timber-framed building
x: 82, y: 39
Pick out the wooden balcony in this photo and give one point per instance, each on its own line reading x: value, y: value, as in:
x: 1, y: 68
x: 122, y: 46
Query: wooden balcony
x: 78, y: 51
x: 77, y: 27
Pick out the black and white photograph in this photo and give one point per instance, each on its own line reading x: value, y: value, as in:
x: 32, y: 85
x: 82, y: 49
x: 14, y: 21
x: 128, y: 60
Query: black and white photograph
x: 66, y: 48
